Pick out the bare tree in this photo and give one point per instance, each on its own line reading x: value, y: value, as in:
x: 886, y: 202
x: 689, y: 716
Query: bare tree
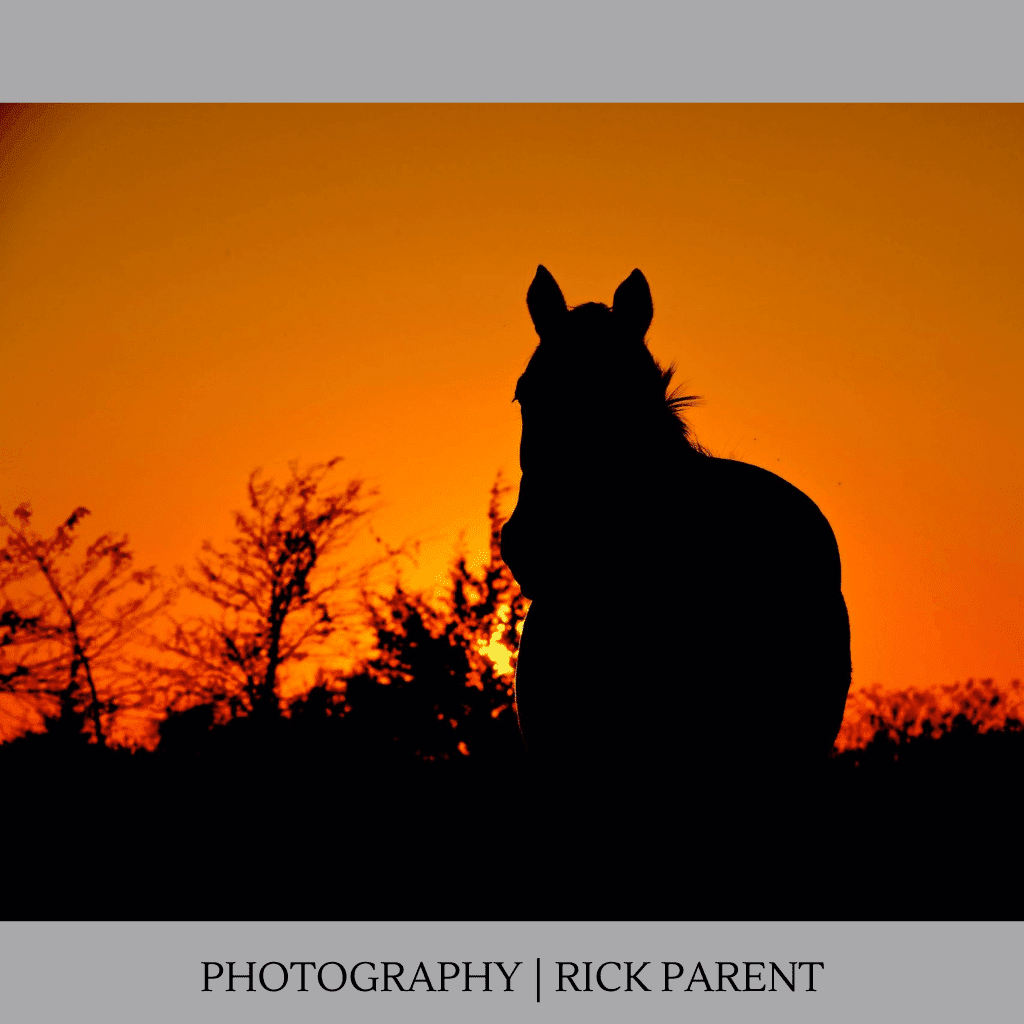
x: 278, y: 593
x: 67, y: 626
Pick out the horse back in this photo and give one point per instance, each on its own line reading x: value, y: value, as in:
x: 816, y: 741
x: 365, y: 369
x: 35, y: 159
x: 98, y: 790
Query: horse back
x: 767, y: 616
x: 766, y: 530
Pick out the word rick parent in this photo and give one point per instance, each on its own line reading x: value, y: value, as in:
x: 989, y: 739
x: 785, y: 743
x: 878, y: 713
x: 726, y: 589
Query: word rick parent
x: 561, y: 976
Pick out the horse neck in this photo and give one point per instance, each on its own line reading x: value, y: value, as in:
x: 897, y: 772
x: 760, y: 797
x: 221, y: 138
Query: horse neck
x: 650, y: 455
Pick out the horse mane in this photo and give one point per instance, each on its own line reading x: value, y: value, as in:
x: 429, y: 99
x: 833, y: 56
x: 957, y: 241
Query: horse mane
x: 675, y: 404
x: 674, y: 401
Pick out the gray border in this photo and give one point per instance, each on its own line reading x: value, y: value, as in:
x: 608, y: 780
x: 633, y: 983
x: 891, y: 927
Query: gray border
x: 494, y: 51
x: 893, y: 972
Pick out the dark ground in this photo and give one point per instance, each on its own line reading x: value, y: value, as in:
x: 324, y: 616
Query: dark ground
x: 242, y: 829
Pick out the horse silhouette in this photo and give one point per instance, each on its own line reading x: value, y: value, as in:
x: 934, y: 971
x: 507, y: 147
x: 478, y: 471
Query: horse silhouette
x: 686, y: 610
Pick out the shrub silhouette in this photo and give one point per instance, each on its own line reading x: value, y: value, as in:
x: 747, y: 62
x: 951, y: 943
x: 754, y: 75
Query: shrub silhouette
x: 881, y: 718
x: 431, y: 690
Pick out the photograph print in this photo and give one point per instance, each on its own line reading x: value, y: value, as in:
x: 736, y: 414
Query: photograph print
x: 533, y: 511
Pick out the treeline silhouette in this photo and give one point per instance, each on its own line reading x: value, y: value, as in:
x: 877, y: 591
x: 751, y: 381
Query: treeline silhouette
x: 397, y: 785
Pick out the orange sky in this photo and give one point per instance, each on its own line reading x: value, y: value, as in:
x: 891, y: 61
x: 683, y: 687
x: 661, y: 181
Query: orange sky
x: 189, y: 292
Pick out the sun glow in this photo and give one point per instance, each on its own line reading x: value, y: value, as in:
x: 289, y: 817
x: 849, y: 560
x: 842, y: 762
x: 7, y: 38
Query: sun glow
x: 499, y: 655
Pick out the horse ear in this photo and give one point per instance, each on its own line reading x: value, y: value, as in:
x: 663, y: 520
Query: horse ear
x: 545, y: 302
x: 632, y: 305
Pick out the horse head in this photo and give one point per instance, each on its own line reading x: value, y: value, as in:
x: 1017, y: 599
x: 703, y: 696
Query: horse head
x: 594, y: 412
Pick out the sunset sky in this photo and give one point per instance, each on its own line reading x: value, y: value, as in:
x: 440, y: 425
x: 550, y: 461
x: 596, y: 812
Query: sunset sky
x: 188, y: 292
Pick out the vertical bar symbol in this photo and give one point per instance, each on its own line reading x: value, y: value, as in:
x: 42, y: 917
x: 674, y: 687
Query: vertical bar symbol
x: 538, y: 979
